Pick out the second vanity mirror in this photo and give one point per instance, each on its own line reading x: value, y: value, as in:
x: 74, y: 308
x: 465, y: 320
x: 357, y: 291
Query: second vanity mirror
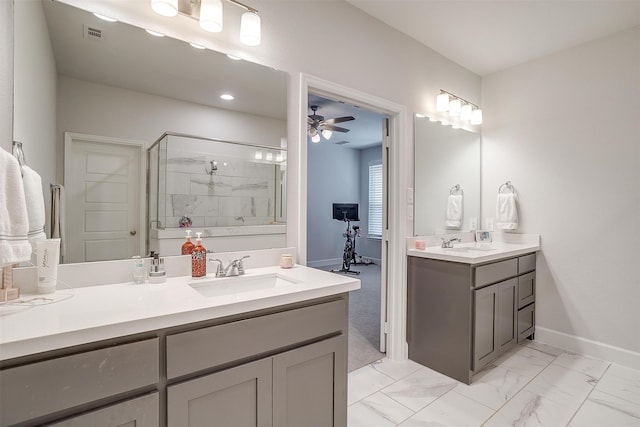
x: 447, y: 163
x: 116, y: 82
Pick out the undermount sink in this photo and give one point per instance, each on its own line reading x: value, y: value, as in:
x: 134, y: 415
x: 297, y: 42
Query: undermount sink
x: 470, y: 248
x: 222, y: 286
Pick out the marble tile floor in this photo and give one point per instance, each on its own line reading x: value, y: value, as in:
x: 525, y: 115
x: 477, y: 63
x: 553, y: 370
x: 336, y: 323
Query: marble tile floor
x: 532, y: 385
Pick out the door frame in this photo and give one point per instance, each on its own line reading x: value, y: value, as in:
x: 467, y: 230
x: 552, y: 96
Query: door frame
x: 71, y: 137
x: 396, y: 283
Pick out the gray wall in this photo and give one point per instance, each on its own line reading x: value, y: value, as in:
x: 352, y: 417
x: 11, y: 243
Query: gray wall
x: 367, y: 247
x: 6, y: 74
x: 333, y: 175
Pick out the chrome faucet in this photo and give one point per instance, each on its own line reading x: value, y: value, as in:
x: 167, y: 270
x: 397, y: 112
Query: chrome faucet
x: 235, y: 267
x: 448, y: 243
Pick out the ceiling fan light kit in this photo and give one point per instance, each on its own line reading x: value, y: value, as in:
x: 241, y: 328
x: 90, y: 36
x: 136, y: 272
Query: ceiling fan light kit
x: 210, y: 15
x: 458, y: 108
x: 317, y: 125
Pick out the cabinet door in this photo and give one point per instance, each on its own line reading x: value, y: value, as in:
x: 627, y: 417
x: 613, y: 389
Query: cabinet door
x: 506, y: 318
x: 140, y: 412
x: 310, y: 385
x: 485, y: 347
x: 236, y: 397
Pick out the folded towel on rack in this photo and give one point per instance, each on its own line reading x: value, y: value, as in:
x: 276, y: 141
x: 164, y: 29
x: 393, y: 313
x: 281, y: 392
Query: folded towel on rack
x: 454, y: 211
x: 507, y: 211
x: 57, y: 217
x: 14, y: 223
x: 35, y: 204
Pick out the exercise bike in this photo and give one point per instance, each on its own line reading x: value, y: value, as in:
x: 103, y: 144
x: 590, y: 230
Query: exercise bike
x: 349, y: 253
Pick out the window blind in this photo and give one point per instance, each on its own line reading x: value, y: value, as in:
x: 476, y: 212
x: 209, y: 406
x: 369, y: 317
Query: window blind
x: 375, y: 199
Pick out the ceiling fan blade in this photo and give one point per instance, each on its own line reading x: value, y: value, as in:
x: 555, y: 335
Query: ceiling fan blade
x: 339, y: 120
x: 334, y: 128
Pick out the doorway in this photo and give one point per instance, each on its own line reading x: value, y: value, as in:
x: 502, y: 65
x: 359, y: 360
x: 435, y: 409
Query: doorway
x: 346, y: 169
x: 103, y: 179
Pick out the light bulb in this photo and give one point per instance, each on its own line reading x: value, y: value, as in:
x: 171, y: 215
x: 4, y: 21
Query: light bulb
x: 211, y: 15
x: 269, y: 156
x: 327, y: 133
x: 442, y: 102
x: 258, y: 155
x: 279, y: 157
x: 465, y: 113
x: 455, y: 106
x: 476, y: 117
x: 315, y: 138
x: 227, y: 97
x: 250, y: 29
x: 165, y: 7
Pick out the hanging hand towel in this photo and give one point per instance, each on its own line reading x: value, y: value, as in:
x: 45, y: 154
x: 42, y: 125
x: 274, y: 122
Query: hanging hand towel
x: 507, y: 211
x: 454, y: 211
x: 14, y: 223
x: 35, y: 204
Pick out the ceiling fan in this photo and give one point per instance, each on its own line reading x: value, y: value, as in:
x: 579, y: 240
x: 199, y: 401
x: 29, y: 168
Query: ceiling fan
x: 317, y: 125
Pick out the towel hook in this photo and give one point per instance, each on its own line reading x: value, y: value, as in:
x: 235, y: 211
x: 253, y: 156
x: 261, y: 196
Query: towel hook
x: 18, y: 153
x: 455, y: 189
x: 508, y: 186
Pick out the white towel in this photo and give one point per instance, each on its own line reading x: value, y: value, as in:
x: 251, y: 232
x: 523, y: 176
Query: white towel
x: 14, y: 223
x: 35, y: 204
x: 507, y: 211
x: 454, y: 211
x: 57, y: 217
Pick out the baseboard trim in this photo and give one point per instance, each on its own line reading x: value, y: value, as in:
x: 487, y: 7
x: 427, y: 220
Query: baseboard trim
x: 324, y: 262
x: 588, y: 347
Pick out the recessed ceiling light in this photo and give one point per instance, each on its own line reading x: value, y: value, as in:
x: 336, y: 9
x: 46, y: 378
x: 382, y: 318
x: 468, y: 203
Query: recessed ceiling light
x: 226, y: 97
x: 105, y: 18
x: 155, y: 33
x: 235, y: 58
x: 197, y: 46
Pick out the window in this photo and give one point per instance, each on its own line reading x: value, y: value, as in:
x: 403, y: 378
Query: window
x: 375, y: 199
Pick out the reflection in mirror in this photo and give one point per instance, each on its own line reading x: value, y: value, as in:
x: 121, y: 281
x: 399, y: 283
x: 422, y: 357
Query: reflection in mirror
x: 229, y: 191
x: 445, y: 158
x: 114, y: 82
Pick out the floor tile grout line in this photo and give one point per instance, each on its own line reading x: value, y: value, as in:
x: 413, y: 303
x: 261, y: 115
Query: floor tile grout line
x: 588, y: 395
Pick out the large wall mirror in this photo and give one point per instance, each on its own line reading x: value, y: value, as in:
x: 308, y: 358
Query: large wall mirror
x: 447, y: 163
x: 116, y: 85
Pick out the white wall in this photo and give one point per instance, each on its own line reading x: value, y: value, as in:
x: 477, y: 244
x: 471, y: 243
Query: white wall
x: 34, y: 115
x: 565, y: 130
x: 367, y: 247
x: 6, y: 75
x: 333, y: 176
x: 95, y: 109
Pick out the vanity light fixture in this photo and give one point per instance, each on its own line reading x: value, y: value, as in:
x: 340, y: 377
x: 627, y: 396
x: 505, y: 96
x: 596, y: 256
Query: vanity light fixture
x: 458, y: 107
x: 258, y: 155
x: 226, y: 97
x: 269, y: 156
x: 210, y: 15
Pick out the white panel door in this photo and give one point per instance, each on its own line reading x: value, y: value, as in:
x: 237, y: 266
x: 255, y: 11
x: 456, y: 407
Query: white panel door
x: 103, y: 184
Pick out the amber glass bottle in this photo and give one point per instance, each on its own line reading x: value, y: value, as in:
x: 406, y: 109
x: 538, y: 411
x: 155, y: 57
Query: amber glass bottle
x: 198, y: 259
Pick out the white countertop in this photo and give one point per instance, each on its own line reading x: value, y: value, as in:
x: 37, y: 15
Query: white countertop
x: 94, y: 313
x: 476, y: 253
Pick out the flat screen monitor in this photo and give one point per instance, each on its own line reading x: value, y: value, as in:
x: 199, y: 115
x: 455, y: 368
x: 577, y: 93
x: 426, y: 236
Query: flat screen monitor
x: 345, y: 211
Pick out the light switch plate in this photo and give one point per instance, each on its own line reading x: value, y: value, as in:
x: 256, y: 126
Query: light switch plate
x: 410, y: 212
x: 473, y: 223
x: 488, y: 224
x: 409, y: 195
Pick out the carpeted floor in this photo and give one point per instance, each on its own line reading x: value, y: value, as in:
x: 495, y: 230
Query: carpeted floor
x: 364, y: 316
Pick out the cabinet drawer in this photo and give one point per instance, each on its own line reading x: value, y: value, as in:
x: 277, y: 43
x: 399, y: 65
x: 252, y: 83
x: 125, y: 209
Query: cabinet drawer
x: 526, y: 322
x: 495, y: 272
x: 526, y: 263
x: 140, y: 412
x: 41, y: 388
x: 205, y: 348
x: 526, y: 289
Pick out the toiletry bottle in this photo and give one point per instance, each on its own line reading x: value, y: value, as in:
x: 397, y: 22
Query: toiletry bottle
x: 139, y: 274
x: 198, y: 259
x: 187, y: 246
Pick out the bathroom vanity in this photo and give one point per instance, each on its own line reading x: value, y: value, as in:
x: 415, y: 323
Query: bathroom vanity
x: 469, y: 304
x: 270, y: 356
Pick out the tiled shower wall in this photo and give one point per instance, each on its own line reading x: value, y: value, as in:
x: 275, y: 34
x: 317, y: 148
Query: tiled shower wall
x: 240, y: 192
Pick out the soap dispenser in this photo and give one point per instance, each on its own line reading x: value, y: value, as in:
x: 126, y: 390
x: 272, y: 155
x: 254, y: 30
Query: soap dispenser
x: 187, y: 246
x: 198, y: 258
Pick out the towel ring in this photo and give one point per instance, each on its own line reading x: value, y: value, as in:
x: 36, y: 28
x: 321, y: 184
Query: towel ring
x: 456, y: 188
x: 508, y: 186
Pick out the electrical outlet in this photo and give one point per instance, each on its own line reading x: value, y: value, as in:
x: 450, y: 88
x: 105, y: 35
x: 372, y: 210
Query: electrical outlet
x: 473, y: 223
x: 410, y: 212
x: 488, y: 224
x: 410, y: 195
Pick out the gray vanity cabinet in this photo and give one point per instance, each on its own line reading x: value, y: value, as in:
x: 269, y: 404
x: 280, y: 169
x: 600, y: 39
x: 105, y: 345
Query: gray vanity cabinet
x: 140, y: 412
x: 460, y: 317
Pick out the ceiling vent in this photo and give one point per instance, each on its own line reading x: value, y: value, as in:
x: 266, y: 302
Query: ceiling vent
x: 341, y: 142
x: 92, y: 33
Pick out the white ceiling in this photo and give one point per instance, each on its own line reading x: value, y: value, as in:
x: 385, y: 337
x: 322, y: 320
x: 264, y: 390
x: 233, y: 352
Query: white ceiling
x: 489, y: 36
